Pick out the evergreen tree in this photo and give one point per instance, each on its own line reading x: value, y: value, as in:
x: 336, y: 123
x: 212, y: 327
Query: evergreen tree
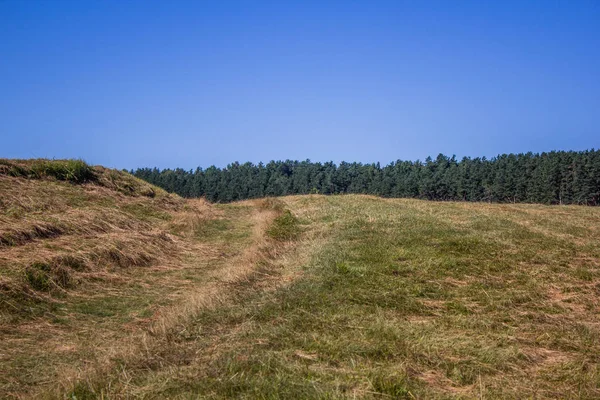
x: 549, y: 178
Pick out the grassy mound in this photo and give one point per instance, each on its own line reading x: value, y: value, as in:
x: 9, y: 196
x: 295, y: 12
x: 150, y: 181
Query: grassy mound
x: 63, y: 221
x: 78, y: 172
x: 91, y: 259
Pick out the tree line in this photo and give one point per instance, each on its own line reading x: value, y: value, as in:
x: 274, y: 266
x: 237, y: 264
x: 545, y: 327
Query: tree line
x: 557, y: 177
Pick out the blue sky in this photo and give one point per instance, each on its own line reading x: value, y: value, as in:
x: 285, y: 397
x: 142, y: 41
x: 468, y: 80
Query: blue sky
x: 194, y: 83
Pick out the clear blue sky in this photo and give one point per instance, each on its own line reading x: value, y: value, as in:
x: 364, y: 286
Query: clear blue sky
x: 192, y: 83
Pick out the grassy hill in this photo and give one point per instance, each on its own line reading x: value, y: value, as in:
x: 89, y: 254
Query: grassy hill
x: 110, y: 287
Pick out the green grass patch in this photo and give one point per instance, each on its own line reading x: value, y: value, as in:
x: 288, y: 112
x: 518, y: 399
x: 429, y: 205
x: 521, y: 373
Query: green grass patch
x: 285, y: 227
x: 75, y: 171
x: 146, y: 212
x: 212, y: 228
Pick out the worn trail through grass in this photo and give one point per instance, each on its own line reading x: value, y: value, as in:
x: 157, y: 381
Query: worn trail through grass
x: 76, y: 304
x: 124, y: 320
x: 403, y: 299
x: 110, y: 288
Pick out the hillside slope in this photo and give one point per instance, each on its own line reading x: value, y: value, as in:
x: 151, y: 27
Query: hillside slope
x: 93, y: 260
x: 300, y: 297
x: 60, y: 226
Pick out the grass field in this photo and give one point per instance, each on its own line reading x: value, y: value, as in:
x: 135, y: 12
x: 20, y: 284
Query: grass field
x: 110, y: 288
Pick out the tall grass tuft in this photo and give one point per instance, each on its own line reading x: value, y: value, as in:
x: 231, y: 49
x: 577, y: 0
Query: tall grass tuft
x: 75, y: 171
x: 285, y: 227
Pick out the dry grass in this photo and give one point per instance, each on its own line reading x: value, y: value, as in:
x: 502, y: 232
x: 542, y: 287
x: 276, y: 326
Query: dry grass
x: 55, y: 235
x: 104, y: 272
x: 154, y: 347
x: 68, y: 251
x: 109, y: 292
x: 404, y: 299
